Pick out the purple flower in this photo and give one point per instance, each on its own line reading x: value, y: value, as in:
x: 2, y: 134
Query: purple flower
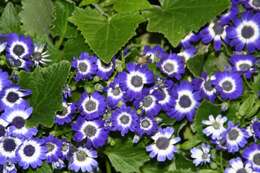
x: 252, y: 155
x: 230, y: 15
x: 237, y: 166
x: 8, y: 149
x: 114, y: 93
x: 190, y: 40
x: 22, y: 132
x: 146, y: 125
x: 201, y: 154
x: 4, y: 80
x: 256, y: 129
x: 53, y: 146
x: 153, y: 53
x: 66, y: 115
x: 104, y: 71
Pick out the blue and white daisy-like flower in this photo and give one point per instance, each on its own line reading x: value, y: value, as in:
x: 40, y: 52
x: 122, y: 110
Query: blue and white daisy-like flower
x: 187, y: 53
x: 66, y: 148
x: 17, y: 115
x: 252, y: 155
x: 245, y: 32
x: 8, y: 167
x: 244, y: 64
x: 226, y: 18
x: 235, y: 137
x: 236, y: 165
x: 104, y: 71
x: 172, y: 65
x: 3, y: 126
x: 163, y: 145
x: 83, y: 159
x: 189, y: 40
x: 146, y: 125
x: 3, y: 39
x: 4, y: 80
x: 124, y: 119
x: 114, y: 93
x: 31, y: 153
x: 153, y: 53
x: 134, y: 79
x: 93, y: 131
x: 228, y: 84
x: 187, y: 101
x: 92, y: 106
x: 148, y: 103
x: 215, y: 33
x: 8, y: 149
x: 215, y: 126
x: 53, y: 146
x: 66, y: 115
x: 205, y: 87
x: 22, y: 132
x: 252, y: 4
x: 12, y: 96
x: 85, y: 66
x: 201, y: 154
x: 256, y: 129
x: 40, y: 55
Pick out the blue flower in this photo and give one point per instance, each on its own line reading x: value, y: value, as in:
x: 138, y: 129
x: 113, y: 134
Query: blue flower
x: 3, y: 42
x: 53, y: 146
x: 201, y: 154
x: 4, y: 80
x: 256, y: 129
x: 104, y: 71
x: 252, y: 155
x: 3, y: 126
x: 114, y: 93
x: 252, y: 4
x: 22, y: 132
x: 226, y: 18
x: 67, y: 113
x: 146, y: 125
x: 153, y: 53
x: 237, y: 166
x: 189, y: 40
x: 8, y: 149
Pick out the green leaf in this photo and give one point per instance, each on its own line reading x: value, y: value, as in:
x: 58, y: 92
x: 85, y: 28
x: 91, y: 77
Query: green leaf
x: 195, y: 65
x: 9, y: 21
x: 247, y: 105
x: 87, y: 2
x: 176, y: 18
x: 46, y: 85
x: 182, y: 163
x: 61, y: 25
x: 36, y: 16
x: 45, y: 168
x: 122, y: 6
x: 206, y: 108
x: 104, y: 35
x: 126, y: 157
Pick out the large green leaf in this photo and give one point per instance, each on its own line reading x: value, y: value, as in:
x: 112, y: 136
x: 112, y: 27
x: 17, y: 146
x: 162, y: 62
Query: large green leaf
x: 127, y: 158
x: 176, y: 18
x: 45, y: 168
x: 9, y: 21
x: 37, y: 16
x: 105, y: 35
x: 195, y: 65
x: 122, y: 6
x: 46, y: 85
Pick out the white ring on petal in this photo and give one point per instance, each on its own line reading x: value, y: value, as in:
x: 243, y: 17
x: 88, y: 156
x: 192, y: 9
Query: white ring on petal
x: 26, y: 51
x: 231, y: 80
x: 88, y: 99
x: 102, y: 68
x: 129, y: 77
x: 251, y: 24
x: 192, y: 105
x: 36, y: 155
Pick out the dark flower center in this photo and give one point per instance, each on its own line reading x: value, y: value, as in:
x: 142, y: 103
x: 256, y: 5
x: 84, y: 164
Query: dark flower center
x: 145, y: 123
x: 227, y: 86
x: 208, y: 85
x: 147, y: 101
x: 50, y: 147
x: 244, y: 67
x: 18, y: 122
x: 185, y: 101
x: 116, y: 91
x: 36, y: 56
x: 247, y: 32
x: 90, y: 131
x: 90, y: 105
x: 17, y: 62
x: 233, y: 134
x: 65, y: 147
x: 29, y: 150
x: 256, y: 3
x: 81, y: 156
x: 204, y: 156
x: 168, y: 67
x: 216, y: 125
x: 162, y: 143
x: 18, y: 50
x: 2, y: 130
x: 218, y: 29
x: 9, y: 144
x: 83, y: 67
x: 256, y: 159
x: 12, y: 97
x: 137, y: 81
x: 124, y: 119
x: 242, y: 170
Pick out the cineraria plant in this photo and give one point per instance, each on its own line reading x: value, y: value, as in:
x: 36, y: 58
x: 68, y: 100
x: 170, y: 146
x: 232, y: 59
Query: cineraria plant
x: 130, y: 86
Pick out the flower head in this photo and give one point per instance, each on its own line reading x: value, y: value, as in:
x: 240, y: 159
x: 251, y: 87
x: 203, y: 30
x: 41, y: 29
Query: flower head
x: 201, y: 154
x: 8, y: 149
x: 66, y: 115
x: 252, y: 155
x: 237, y: 166
x: 53, y: 146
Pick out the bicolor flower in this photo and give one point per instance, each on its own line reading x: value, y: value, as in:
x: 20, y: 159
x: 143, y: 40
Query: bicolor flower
x: 236, y: 165
x: 201, y: 154
x: 114, y: 93
x: 146, y: 125
x: 4, y: 80
x: 153, y: 53
x: 40, y: 55
x: 66, y: 115
x: 8, y: 149
x: 53, y: 146
x: 104, y: 71
x: 252, y: 155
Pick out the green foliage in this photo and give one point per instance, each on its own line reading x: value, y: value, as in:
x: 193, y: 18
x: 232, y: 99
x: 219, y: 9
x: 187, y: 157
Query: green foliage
x: 105, y: 35
x: 131, y: 5
x: 45, y: 168
x: 9, y: 21
x: 46, y: 85
x: 195, y: 65
x: 36, y: 16
x: 176, y: 18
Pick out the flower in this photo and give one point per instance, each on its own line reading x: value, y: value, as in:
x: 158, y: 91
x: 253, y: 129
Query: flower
x: 215, y: 33
x: 85, y: 66
x: 4, y: 80
x: 172, y: 65
x: 114, y: 93
x: 163, y: 146
x: 256, y: 129
x: 133, y: 80
x: 215, y: 126
x: 252, y: 155
x: 243, y: 64
x: 153, y: 53
x: 93, y: 131
x: 8, y: 148
x: 53, y: 146
x: 237, y: 166
x: 92, y: 105
x: 228, y: 84
x: 252, y: 4
x: 104, y: 71
x: 187, y: 53
x: 66, y: 115
x: 3, y: 126
x: 40, y: 55
x: 9, y: 167
x: 3, y: 39
x: 245, y: 32
x: 66, y: 148
x: 31, y: 153
x: 201, y: 154
x: 83, y: 159
x: 189, y: 40
x: 187, y: 101
x: 22, y: 132
x: 205, y: 87
x: 230, y: 15
x: 235, y: 137
x: 146, y: 125
x: 124, y: 119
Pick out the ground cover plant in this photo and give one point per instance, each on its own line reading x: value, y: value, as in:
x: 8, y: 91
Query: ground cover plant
x: 130, y: 86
